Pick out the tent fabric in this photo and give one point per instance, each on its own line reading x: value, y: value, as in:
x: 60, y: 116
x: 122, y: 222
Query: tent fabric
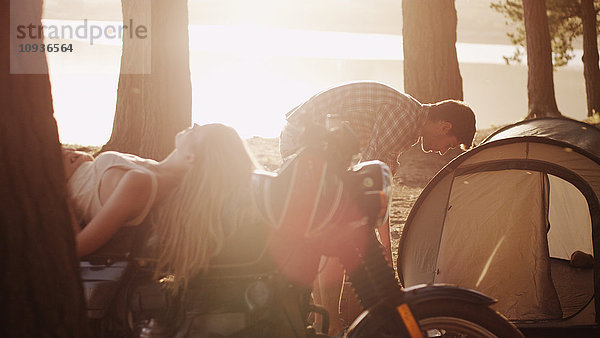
x: 494, y: 217
x: 582, y: 166
x: 575, y: 133
x: 515, y: 254
x: 568, y: 136
x: 574, y: 286
x: 570, y: 222
x: 423, y: 250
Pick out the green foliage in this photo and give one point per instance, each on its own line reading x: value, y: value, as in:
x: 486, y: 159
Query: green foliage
x: 564, y: 23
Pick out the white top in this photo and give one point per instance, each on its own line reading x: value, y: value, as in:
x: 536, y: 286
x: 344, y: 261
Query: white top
x: 83, y: 186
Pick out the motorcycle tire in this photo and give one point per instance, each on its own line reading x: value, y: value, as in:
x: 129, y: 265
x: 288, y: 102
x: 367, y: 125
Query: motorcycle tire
x: 441, y: 318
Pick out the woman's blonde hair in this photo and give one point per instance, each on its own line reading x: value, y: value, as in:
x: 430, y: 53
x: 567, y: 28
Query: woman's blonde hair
x: 211, y: 203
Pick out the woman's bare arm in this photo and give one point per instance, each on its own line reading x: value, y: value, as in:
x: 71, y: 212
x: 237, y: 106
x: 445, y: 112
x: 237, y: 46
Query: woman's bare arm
x: 126, y: 201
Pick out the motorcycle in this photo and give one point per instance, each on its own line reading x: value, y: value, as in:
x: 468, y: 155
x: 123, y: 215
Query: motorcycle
x: 260, y: 286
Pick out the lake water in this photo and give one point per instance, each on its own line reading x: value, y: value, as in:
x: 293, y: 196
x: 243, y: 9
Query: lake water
x: 249, y: 76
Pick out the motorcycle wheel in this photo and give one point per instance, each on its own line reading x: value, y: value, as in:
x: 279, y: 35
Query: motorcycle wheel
x: 442, y: 318
x: 455, y: 318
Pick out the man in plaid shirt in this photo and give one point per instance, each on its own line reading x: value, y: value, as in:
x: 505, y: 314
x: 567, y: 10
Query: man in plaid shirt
x: 387, y: 123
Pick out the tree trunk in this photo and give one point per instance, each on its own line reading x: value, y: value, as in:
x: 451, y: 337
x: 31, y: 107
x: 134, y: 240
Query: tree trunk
x: 41, y: 289
x: 591, y: 70
x: 431, y: 71
x: 540, y: 81
x: 154, y: 98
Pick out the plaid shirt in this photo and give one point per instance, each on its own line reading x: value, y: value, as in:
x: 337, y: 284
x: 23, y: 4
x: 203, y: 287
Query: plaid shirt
x: 386, y: 121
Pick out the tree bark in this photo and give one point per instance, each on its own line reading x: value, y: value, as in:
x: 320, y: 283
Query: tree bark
x: 154, y: 102
x: 591, y: 70
x: 540, y: 80
x: 431, y: 71
x: 41, y: 292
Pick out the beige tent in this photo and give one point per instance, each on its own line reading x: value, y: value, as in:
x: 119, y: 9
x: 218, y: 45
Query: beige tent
x: 505, y: 218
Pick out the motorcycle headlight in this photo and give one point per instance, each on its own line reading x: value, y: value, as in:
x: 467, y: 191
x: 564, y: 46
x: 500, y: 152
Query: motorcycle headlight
x: 371, y: 183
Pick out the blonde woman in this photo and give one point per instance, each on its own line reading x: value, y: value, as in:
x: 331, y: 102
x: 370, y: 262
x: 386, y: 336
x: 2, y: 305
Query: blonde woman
x: 196, y: 198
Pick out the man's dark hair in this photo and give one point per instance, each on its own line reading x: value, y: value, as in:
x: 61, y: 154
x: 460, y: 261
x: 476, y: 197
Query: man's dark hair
x: 461, y: 117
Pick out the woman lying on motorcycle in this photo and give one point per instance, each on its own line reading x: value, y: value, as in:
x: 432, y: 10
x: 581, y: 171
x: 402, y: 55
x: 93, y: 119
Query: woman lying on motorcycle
x: 195, y: 198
